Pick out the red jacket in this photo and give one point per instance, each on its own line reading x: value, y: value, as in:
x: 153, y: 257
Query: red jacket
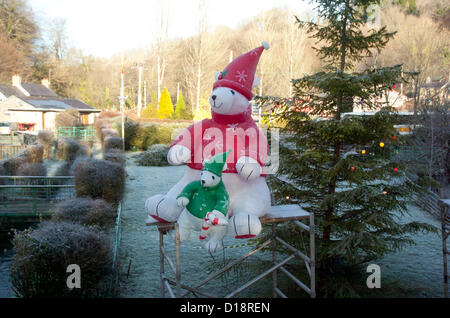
x: 213, y: 136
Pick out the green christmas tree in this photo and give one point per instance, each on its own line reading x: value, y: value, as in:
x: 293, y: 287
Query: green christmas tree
x: 180, y: 108
x: 150, y: 111
x: 341, y: 168
x: 165, y: 109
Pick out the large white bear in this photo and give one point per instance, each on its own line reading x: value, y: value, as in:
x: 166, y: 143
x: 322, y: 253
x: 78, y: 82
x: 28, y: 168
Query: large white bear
x: 231, y: 127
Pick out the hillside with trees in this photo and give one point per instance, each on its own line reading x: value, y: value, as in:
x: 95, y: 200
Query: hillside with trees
x: 35, y: 51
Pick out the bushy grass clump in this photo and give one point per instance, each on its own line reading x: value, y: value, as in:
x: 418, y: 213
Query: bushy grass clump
x: 46, y: 139
x: 112, y: 143
x: 116, y: 156
x: 99, y: 179
x: 32, y: 169
x: 35, y: 153
x: 42, y: 255
x: 107, y: 133
x: 67, y: 149
x: 156, y: 155
x: 85, y: 211
x: 12, y: 164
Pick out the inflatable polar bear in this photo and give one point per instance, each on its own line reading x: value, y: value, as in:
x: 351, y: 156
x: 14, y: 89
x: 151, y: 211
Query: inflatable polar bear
x: 231, y: 127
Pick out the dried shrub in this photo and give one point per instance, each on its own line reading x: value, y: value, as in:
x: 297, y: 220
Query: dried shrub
x: 12, y: 165
x: 35, y: 153
x: 39, y: 266
x: 108, y: 132
x: 112, y: 143
x: 46, y: 138
x: 67, y: 149
x: 156, y: 155
x: 85, y: 211
x: 116, y: 156
x: 99, y: 124
x: 68, y: 118
x: 32, y: 169
x: 63, y: 169
x: 83, y: 151
x: 99, y: 179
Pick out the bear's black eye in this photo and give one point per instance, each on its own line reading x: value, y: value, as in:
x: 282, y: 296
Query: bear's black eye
x: 213, y: 177
x: 232, y: 92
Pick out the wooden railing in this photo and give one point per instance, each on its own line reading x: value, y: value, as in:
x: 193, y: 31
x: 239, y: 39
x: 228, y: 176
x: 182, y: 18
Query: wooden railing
x: 9, y: 151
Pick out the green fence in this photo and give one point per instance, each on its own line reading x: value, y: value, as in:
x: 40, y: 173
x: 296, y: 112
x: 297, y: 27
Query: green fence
x: 33, y: 196
x: 87, y: 133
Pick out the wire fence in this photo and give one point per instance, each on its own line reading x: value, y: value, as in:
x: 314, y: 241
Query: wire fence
x: 86, y: 133
x: 33, y: 196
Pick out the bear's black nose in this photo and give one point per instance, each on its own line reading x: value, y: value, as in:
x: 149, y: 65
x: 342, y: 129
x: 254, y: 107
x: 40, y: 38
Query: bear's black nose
x: 203, y: 181
x: 213, y: 97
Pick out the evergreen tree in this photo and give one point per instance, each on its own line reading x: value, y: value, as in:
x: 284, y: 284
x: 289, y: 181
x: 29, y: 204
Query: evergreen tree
x: 341, y: 168
x: 180, y: 108
x: 165, y: 109
x: 150, y: 111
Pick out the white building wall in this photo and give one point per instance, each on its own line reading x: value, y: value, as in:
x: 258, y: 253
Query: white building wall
x: 27, y: 117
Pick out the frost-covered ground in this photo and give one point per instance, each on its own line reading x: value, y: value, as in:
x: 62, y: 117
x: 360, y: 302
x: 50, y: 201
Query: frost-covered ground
x: 415, y: 271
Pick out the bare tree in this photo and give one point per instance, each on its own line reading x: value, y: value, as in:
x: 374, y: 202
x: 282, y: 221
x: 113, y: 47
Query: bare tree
x: 58, y: 38
x: 162, y: 27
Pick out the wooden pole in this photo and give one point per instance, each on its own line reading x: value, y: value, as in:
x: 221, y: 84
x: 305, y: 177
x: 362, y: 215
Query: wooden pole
x: 274, y: 261
x: 161, y: 262
x: 312, y: 247
x: 444, y: 208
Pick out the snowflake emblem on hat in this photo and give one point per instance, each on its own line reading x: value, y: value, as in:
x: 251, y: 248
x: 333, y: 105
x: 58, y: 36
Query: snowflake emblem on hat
x: 241, y: 76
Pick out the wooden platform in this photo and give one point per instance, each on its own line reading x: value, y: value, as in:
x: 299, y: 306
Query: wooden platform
x: 278, y: 213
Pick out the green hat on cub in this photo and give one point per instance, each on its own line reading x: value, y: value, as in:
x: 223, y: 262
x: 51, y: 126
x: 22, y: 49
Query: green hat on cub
x: 216, y: 163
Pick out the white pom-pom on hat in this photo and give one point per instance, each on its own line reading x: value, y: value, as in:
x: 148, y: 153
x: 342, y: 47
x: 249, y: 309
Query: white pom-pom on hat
x: 265, y: 45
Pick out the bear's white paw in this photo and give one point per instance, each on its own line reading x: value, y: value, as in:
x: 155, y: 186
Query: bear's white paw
x: 248, y: 168
x: 162, y: 208
x: 178, y: 155
x: 213, y: 246
x: 182, y: 201
x: 244, y: 225
x: 216, y: 218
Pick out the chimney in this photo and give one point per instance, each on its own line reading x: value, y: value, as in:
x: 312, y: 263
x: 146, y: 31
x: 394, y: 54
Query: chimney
x: 17, y: 80
x: 45, y: 82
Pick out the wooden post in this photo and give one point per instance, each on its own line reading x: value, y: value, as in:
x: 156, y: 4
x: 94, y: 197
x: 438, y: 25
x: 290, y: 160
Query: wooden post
x: 274, y: 261
x: 312, y: 247
x: 177, y: 249
x: 161, y: 262
x: 445, y: 204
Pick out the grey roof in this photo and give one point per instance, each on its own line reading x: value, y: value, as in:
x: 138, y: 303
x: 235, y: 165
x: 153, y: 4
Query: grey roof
x: 38, y: 90
x: 9, y: 90
x: 435, y: 84
x: 57, y: 103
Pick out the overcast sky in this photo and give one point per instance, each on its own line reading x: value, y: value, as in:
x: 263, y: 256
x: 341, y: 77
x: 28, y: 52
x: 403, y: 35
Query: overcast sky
x: 106, y: 27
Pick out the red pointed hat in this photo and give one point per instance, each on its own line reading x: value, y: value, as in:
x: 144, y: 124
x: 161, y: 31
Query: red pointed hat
x: 240, y: 73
